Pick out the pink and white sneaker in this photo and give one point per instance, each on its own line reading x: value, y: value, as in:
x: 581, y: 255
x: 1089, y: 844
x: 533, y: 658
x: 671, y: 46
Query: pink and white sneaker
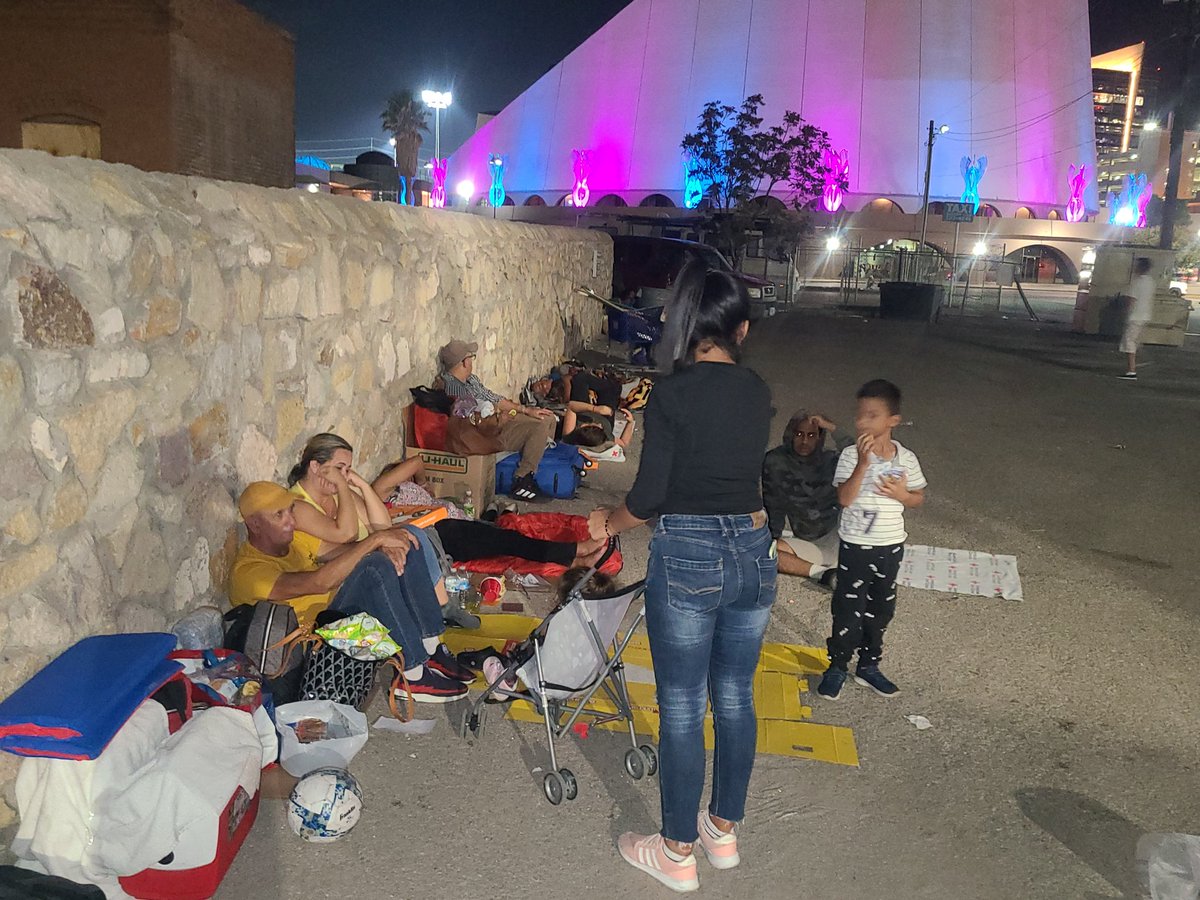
x: 720, y: 848
x: 649, y: 853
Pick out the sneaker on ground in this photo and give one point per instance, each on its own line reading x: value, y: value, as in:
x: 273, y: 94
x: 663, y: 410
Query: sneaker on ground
x: 831, y: 683
x: 649, y: 853
x: 1128, y: 376
x: 443, y: 661
x: 433, y: 687
x: 721, y: 849
x: 870, y: 676
x: 829, y: 579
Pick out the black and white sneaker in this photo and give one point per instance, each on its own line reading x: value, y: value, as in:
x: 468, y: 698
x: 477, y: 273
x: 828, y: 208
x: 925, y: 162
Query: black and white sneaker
x: 525, y: 488
x: 1128, y: 376
x: 443, y: 661
x: 433, y: 687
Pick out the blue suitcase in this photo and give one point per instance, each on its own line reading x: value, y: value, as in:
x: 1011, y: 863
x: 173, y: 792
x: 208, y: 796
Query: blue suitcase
x: 557, y: 475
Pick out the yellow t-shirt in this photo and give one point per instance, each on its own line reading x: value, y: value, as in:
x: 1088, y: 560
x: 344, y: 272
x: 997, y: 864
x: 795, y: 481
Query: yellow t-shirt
x: 310, y: 542
x: 254, y: 574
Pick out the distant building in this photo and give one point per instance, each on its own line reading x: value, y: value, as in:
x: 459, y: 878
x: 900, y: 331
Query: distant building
x: 872, y: 73
x: 1124, y: 102
x: 198, y: 87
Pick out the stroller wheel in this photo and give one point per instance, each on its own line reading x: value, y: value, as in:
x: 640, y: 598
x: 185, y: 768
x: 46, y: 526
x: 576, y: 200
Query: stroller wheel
x: 553, y: 787
x: 635, y: 763
x: 651, y: 758
x: 570, y: 785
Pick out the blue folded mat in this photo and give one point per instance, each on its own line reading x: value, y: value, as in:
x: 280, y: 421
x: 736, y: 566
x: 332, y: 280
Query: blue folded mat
x: 72, y: 708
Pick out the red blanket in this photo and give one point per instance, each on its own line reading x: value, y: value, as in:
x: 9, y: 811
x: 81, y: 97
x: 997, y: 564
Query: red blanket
x: 547, y: 527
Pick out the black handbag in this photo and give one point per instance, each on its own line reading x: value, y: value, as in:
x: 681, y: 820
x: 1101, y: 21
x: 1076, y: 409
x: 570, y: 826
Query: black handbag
x: 330, y: 674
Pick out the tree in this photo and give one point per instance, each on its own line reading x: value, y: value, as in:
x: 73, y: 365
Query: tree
x: 405, y: 118
x: 739, y: 160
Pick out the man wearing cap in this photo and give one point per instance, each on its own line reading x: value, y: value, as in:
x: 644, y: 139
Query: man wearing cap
x: 355, y: 578
x: 524, y: 428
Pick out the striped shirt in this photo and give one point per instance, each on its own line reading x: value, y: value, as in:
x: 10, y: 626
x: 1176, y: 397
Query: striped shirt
x: 472, y: 388
x: 874, y: 520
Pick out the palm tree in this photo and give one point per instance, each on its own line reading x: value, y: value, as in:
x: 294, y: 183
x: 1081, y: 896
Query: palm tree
x: 404, y: 117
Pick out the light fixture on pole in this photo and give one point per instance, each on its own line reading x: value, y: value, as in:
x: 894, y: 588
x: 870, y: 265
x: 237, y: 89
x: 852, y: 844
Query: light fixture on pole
x: 466, y: 190
x: 928, y: 166
x: 437, y: 101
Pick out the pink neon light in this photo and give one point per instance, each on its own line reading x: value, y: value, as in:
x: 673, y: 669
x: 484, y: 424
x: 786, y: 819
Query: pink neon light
x: 837, y: 176
x: 1077, y: 178
x: 580, y: 162
x: 437, y: 196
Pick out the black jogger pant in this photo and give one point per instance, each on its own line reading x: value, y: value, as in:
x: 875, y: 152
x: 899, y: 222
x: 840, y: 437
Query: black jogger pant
x: 467, y: 539
x: 864, y: 602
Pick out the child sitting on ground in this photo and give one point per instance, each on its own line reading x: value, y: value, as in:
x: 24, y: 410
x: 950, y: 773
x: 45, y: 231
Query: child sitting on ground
x: 876, y: 479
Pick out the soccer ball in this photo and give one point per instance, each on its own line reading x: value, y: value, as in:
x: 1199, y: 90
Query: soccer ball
x: 325, y: 805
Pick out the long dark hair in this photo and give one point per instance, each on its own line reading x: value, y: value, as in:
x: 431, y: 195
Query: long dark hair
x: 707, y: 308
x: 320, y: 447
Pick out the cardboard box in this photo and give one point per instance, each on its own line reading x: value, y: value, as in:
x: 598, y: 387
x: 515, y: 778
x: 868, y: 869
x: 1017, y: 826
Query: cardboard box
x: 450, y: 475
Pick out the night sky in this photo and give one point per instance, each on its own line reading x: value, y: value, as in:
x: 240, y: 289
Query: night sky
x: 351, y: 54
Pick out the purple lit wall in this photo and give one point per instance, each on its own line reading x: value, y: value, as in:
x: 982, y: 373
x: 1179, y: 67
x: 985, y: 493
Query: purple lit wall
x: 633, y: 89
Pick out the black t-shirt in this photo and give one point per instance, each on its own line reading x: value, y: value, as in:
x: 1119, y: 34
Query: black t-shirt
x: 707, y: 429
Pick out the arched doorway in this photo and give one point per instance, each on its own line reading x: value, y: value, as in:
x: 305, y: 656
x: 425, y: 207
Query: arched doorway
x: 611, y: 200
x: 988, y: 211
x: 1053, y: 215
x: 766, y: 203
x: 659, y: 200
x: 885, y: 206
x: 1043, y: 264
x: 1025, y: 213
x: 534, y: 200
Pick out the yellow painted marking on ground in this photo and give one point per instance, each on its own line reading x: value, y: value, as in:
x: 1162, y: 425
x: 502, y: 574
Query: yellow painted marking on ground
x: 778, y: 684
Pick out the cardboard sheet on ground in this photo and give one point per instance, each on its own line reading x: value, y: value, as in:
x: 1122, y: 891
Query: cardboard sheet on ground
x: 778, y: 684
x: 970, y: 572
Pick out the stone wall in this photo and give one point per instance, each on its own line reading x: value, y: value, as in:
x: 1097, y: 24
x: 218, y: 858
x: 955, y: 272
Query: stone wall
x: 164, y: 340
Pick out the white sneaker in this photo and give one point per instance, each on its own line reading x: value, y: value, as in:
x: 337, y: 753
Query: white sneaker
x: 612, y: 454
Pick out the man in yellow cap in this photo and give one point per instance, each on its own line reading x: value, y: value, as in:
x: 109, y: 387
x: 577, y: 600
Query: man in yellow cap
x: 368, y: 576
x: 524, y: 428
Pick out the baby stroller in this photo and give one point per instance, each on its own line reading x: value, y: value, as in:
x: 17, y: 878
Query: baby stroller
x: 571, y: 655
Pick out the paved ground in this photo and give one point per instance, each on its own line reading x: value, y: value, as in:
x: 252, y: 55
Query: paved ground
x: 1063, y: 726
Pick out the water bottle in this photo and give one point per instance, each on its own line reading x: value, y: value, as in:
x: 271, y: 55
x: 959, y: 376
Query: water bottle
x: 468, y: 506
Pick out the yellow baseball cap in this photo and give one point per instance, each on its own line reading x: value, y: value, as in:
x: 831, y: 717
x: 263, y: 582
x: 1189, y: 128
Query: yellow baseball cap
x: 263, y: 496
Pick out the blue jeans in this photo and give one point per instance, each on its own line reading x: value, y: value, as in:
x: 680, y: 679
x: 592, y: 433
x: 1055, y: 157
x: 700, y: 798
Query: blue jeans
x: 709, y: 592
x: 405, y: 604
x: 431, y: 557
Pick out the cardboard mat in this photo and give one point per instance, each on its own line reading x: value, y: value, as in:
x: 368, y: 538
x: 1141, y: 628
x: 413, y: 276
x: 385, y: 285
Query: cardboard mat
x: 784, y: 728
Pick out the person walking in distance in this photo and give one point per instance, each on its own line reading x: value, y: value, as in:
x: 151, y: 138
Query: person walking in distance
x: 1141, y: 309
x: 712, y: 571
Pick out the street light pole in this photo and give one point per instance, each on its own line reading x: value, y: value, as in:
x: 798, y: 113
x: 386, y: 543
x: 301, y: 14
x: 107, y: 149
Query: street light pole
x: 928, y: 167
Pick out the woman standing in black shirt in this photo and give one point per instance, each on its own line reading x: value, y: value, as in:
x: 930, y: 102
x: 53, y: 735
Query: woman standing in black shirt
x: 711, y: 578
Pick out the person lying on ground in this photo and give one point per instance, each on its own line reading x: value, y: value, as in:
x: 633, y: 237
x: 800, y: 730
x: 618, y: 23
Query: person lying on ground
x: 465, y: 539
x: 368, y: 576
x: 799, y: 496
x: 522, y: 428
x: 341, y: 507
x: 594, y: 435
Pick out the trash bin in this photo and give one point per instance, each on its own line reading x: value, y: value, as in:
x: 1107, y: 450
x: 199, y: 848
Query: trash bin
x: 912, y: 300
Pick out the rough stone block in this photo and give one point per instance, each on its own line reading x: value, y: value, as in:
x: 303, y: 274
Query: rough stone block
x: 119, y: 483
x: 257, y: 458
x: 54, y: 377
x: 110, y: 326
x: 91, y: 430
x: 52, y: 317
x: 24, y: 568
x: 114, y: 365
x: 209, y: 433
x: 66, y: 506
x: 163, y: 316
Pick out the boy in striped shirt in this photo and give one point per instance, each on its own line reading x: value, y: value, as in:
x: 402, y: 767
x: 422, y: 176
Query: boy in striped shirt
x: 876, y: 479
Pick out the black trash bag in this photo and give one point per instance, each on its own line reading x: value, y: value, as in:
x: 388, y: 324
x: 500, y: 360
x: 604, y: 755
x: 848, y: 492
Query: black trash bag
x: 22, y: 884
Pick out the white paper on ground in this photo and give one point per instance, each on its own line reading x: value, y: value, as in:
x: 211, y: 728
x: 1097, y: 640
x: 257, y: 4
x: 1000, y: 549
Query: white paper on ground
x: 414, y: 726
x: 970, y: 572
x: 920, y: 722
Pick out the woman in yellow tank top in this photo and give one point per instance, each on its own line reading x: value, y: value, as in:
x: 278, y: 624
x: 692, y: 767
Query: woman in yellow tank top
x: 340, y: 507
